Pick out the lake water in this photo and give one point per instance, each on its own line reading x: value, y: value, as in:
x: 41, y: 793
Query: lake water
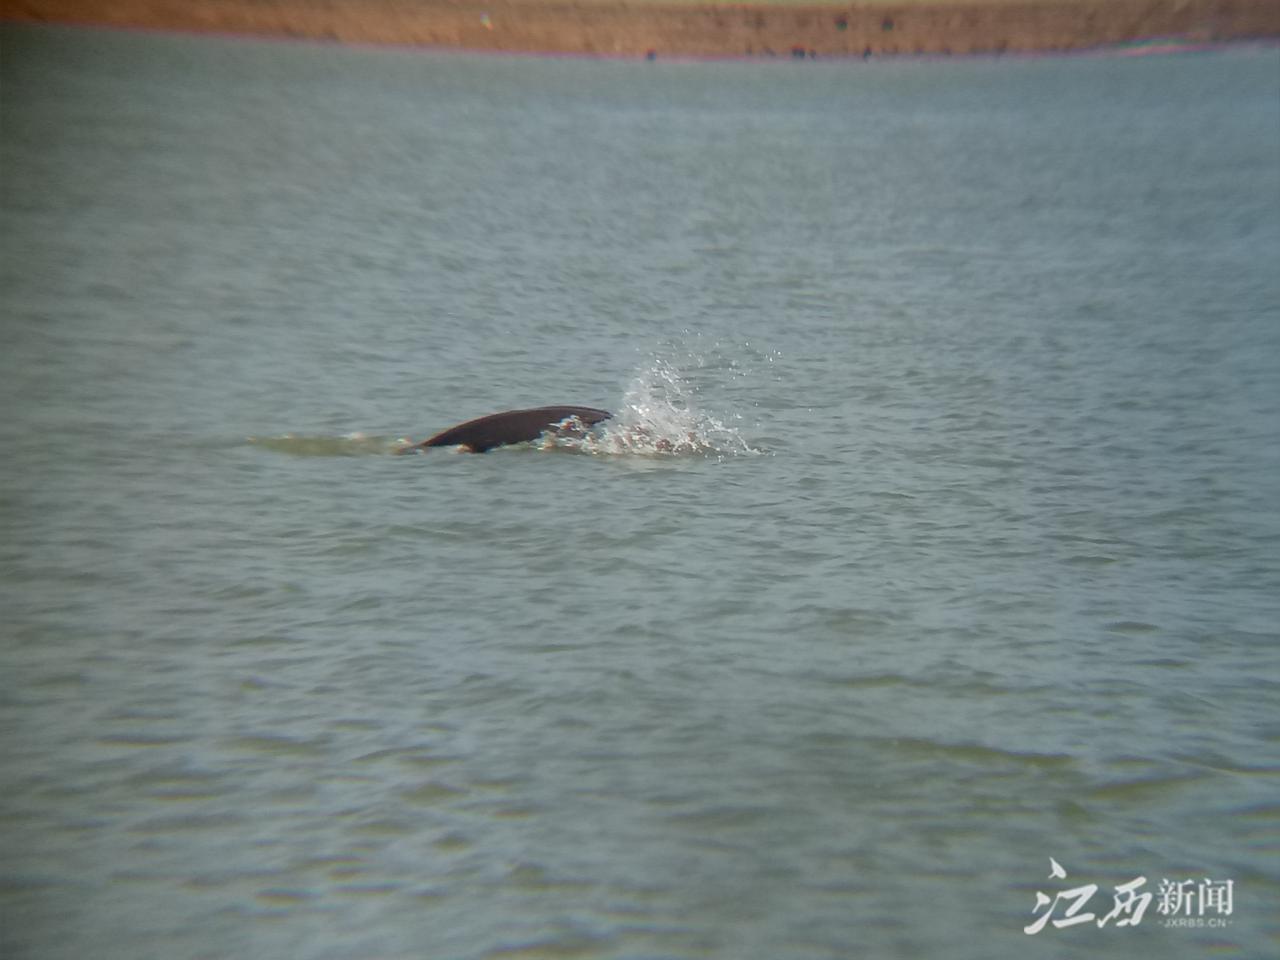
x: 976, y: 562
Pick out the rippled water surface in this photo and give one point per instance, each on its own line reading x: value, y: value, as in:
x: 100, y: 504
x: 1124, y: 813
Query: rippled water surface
x: 937, y: 533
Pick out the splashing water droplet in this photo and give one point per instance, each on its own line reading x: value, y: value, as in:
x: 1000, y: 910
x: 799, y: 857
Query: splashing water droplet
x: 659, y: 416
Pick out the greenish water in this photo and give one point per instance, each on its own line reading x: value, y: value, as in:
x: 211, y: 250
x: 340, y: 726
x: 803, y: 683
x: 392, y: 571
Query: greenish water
x: 975, y: 563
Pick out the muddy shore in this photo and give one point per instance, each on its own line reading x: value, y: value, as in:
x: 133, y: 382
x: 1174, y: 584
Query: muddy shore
x: 662, y: 29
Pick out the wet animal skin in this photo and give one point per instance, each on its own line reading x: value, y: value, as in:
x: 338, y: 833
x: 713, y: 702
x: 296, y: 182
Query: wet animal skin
x: 510, y: 426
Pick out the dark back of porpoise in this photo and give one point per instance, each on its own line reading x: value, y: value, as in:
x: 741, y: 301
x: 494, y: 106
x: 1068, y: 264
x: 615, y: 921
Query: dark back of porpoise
x: 511, y: 426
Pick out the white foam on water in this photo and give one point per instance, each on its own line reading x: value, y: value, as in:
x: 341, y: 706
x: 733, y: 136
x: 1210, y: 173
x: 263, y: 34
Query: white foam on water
x: 660, y: 416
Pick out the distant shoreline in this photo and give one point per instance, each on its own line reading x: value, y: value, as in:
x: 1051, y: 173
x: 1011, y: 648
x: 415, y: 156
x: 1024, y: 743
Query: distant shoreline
x: 687, y: 28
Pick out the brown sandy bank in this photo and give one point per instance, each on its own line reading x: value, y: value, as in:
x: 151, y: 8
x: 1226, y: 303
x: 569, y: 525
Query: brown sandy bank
x: 691, y: 28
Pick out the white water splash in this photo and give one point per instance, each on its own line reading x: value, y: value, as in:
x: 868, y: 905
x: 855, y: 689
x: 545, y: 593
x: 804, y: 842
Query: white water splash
x: 659, y: 416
